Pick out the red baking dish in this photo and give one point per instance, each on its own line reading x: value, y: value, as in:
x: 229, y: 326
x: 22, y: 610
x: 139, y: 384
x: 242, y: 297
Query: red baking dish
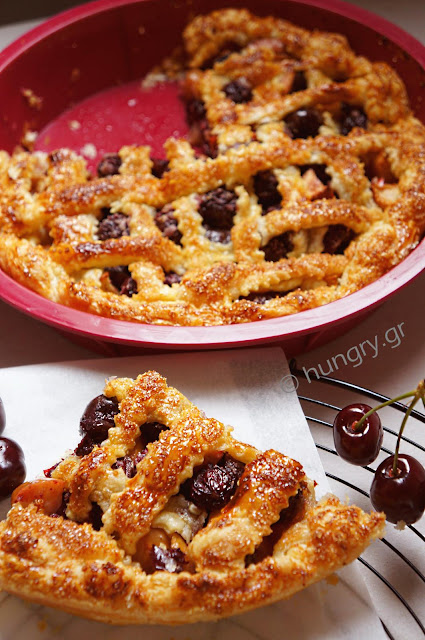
x: 85, y: 64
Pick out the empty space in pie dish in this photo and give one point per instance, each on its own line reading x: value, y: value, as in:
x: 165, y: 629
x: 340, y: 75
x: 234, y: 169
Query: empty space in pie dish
x: 124, y: 115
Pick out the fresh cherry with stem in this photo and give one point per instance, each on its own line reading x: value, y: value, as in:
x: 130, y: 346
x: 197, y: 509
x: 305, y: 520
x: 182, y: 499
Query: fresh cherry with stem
x: 358, y: 438
x: 398, y: 487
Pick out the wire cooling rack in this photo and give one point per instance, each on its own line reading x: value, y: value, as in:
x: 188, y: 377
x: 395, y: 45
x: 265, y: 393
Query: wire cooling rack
x: 392, y: 568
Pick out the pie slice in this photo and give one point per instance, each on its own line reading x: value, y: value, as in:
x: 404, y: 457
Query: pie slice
x: 161, y: 516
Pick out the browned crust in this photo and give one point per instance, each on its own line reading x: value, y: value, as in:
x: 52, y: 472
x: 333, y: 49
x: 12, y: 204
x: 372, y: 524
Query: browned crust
x: 65, y: 564
x: 87, y: 576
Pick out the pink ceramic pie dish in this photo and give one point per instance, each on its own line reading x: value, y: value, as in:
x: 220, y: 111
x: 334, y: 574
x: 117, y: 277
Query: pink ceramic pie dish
x: 77, y: 58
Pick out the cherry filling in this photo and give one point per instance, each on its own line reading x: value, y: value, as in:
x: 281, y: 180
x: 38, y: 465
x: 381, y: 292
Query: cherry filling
x: 289, y: 516
x: 121, y: 279
x: 48, y: 472
x: 61, y: 512
x: 167, y: 224
x: 265, y: 187
x: 226, y: 51
x: 238, y: 90
x: 304, y: 123
x: 159, y: 167
x: 213, y: 484
x: 95, y: 517
x: 97, y: 419
x: 195, y: 111
x: 171, y: 278
x: 149, y: 432
x: 201, y: 132
x: 319, y: 170
x: 171, y: 560
x: 337, y: 238
x: 109, y: 165
x: 113, y: 225
x: 218, y: 208
x: 377, y: 167
x: 352, y: 116
x: 316, y: 182
x: 278, y: 247
x: 129, y: 463
x: 261, y: 298
x: 299, y: 83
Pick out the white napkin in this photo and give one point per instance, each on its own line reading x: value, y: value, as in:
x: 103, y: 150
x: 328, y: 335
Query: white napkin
x: 243, y: 388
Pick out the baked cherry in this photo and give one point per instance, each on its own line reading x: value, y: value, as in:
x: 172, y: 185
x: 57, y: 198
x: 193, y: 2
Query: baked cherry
x: 238, y: 90
x: 358, y: 445
x: 98, y: 418
x: 12, y: 466
x: 352, y: 116
x: 159, y: 167
x: 212, y: 485
x: 400, y: 494
x: 266, y: 189
x: 2, y: 416
x: 109, y: 165
x: 113, y: 225
x: 304, y: 123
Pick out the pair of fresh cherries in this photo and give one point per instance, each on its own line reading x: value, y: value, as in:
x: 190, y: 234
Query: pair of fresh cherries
x: 398, y: 486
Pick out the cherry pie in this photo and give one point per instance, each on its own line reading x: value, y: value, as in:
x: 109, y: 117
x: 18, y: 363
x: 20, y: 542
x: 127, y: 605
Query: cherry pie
x: 304, y: 181
x: 161, y: 516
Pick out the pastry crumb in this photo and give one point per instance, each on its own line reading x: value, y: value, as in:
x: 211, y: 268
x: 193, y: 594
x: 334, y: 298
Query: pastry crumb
x: 400, y: 526
x: 34, y: 101
x: 89, y: 150
x: 332, y: 579
x: 152, y: 79
x: 14, y: 172
x: 74, y: 125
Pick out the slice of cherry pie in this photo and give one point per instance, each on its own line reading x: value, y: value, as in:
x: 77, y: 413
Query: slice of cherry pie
x: 161, y: 516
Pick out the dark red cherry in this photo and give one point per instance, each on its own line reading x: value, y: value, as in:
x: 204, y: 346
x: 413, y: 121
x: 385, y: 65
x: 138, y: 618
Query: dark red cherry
x: 12, y: 466
x: 109, y: 165
x: 304, y: 123
x: 98, y: 418
x: 402, y: 495
x: 212, y: 485
x: 358, y: 446
x: 2, y: 416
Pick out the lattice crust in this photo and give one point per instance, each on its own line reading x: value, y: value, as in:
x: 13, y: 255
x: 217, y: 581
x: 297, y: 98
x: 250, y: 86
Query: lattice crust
x: 278, y: 222
x: 248, y: 71
x: 269, y: 541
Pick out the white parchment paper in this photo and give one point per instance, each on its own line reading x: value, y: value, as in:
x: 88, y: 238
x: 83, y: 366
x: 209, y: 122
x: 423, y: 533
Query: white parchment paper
x: 243, y: 388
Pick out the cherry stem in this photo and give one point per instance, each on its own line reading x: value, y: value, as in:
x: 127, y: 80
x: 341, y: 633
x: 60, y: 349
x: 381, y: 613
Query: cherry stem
x: 419, y: 394
x: 357, y: 426
x: 400, y: 433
